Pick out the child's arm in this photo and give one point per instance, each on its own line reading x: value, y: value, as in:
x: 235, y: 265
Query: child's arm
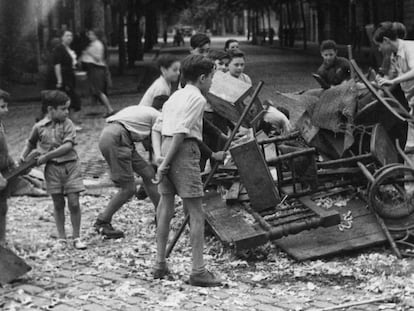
x: 156, y: 140
x: 31, y: 144
x: 61, y: 150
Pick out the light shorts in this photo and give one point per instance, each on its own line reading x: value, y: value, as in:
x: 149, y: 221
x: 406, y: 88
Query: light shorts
x: 64, y: 178
x: 184, y: 176
x: 119, y: 152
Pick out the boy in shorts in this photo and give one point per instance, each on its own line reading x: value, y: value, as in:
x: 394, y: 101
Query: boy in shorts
x: 128, y: 126
x: 6, y: 163
x: 54, y: 138
x: 179, y: 171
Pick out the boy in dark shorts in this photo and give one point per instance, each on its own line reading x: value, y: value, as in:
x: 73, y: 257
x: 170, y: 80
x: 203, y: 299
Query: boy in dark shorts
x: 54, y: 138
x: 334, y: 69
x: 6, y: 163
x: 179, y: 171
x: 131, y: 124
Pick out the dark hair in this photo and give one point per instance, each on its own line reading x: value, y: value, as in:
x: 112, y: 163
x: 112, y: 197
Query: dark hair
x: 53, y: 98
x: 4, y: 95
x: 235, y: 54
x: 193, y: 66
x: 198, y: 40
x: 385, y: 29
x: 400, y: 29
x: 166, y: 60
x: 228, y: 42
x: 62, y: 32
x: 328, y: 45
x: 218, y: 55
x: 159, y: 101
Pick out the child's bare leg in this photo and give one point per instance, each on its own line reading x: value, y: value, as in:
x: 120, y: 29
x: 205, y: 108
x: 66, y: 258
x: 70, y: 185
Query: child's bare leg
x: 152, y: 190
x: 75, y: 213
x: 59, y: 213
x: 120, y: 198
x: 3, y: 213
x: 105, y: 101
x: 165, y: 212
x: 194, y: 207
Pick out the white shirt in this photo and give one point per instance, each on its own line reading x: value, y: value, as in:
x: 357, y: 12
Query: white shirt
x: 94, y: 53
x: 182, y: 113
x: 277, y: 119
x: 157, y: 88
x: 138, y: 120
x: 402, y: 62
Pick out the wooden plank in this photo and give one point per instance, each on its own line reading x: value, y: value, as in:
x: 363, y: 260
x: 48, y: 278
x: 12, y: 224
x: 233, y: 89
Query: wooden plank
x: 228, y: 88
x: 232, y: 194
x: 255, y: 175
x: 329, y: 217
x: 11, y: 266
x: 229, y: 224
x: 330, y: 241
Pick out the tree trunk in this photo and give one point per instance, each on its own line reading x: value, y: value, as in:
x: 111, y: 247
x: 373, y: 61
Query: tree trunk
x: 98, y: 11
x: 281, y: 26
x: 151, y: 28
x: 305, y: 35
x: 121, y: 42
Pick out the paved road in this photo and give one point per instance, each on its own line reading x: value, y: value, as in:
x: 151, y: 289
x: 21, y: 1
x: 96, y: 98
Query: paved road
x: 115, y: 275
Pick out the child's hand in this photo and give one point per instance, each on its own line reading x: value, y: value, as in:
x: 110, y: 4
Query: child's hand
x: 161, y: 171
x: 158, y: 161
x: 42, y: 160
x: 219, y: 156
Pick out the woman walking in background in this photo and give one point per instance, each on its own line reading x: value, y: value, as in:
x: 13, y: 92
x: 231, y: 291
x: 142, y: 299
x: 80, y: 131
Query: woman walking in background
x: 93, y: 60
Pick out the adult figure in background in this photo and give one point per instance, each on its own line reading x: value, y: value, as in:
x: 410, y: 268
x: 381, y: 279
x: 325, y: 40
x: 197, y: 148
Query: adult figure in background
x: 93, y: 60
x: 64, y: 62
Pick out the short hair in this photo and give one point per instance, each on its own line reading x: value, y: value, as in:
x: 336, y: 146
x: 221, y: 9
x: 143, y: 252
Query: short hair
x: 400, y: 29
x: 328, y: 45
x: 166, y: 60
x: 159, y: 101
x: 198, y: 40
x: 193, y: 66
x: 236, y: 53
x: 385, y: 30
x: 4, y: 96
x: 218, y: 55
x: 228, y: 42
x: 53, y: 98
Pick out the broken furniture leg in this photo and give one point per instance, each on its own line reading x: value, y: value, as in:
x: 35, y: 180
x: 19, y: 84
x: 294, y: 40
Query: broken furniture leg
x: 11, y: 266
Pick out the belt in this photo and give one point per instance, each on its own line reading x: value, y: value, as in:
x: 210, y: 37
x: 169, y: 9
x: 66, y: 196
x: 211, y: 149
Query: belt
x: 186, y: 138
x: 128, y: 132
x: 60, y: 163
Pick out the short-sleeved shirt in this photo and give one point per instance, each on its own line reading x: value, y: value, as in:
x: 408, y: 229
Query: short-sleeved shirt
x: 157, y: 88
x: 336, y: 72
x: 403, y: 61
x: 94, y: 53
x: 243, y: 77
x: 48, y: 135
x: 138, y: 120
x: 182, y: 113
x: 6, y: 161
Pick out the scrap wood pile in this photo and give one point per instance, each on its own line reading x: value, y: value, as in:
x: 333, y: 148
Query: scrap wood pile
x: 348, y: 146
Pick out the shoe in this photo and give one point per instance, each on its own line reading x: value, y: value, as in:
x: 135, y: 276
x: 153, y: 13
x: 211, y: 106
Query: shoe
x: 105, y: 228
x: 160, y: 271
x: 204, y: 279
x: 61, y: 244
x: 79, y: 244
x: 141, y: 194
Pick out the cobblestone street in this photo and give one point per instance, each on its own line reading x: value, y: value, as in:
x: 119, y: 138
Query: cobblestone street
x: 116, y: 274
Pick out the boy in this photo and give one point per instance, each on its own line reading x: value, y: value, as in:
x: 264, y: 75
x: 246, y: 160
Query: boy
x: 334, y: 69
x: 200, y: 44
x: 182, y: 119
x: 169, y: 67
x: 131, y: 124
x: 221, y: 60
x: 55, y: 138
x: 6, y: 163
x: 236, y: 66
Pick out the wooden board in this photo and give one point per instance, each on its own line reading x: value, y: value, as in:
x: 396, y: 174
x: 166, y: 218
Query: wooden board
x: 255, y: 175
x: 229, y: 224
x: 11, y: 266
x: 330, y: 241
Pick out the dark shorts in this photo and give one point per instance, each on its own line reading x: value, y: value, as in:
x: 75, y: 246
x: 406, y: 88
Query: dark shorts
x: 119, y: 152
x: 184, y: 176
x: 63, y: 178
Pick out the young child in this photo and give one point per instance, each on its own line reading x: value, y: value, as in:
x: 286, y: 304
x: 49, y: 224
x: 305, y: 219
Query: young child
x: 179, y: 171
x: 200, y: 44
x: 169, y: 67
x: 231, y: 44
x: 236, y: 66
x: 6, y: 163
x: 54, y: 138
x: 334, y: 69
x: 221, y: 60
x: 131, y: 124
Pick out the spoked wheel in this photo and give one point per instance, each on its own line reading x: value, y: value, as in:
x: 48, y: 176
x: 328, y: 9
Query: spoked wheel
x: 391, y: 195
